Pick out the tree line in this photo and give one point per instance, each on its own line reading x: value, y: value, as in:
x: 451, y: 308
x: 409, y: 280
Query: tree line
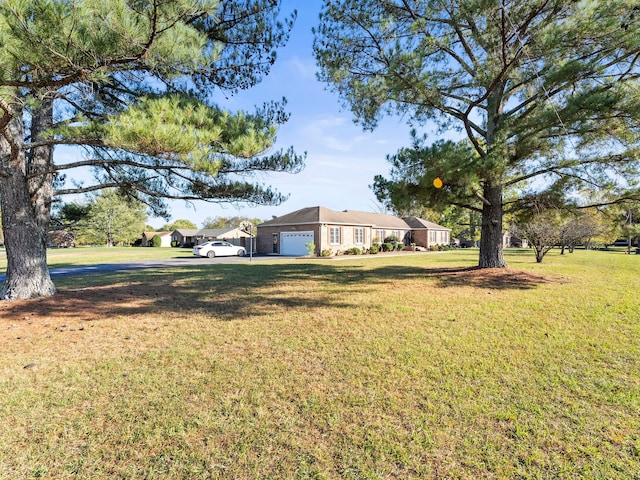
x: 110, y: 218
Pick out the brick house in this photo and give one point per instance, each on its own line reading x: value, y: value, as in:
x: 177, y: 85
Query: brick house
x: 338, y: 231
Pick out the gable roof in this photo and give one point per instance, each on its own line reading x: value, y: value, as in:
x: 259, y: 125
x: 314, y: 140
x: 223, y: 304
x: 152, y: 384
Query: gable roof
x: 221, y: 232
x: 315, y: 215
x: 211, y: 232
x: 186, y: 232
x: 322, y: 215
x: 418, y: 223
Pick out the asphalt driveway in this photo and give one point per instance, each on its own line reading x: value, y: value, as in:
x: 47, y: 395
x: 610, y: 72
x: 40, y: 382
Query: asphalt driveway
x: 79, y: 270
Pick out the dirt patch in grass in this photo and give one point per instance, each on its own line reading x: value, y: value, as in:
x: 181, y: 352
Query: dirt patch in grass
x: 494, y: 278
x: 71, y: 310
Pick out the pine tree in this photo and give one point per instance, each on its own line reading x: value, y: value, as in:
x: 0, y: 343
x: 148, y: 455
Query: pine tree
x: 543, y: 94
x: 130, y: 82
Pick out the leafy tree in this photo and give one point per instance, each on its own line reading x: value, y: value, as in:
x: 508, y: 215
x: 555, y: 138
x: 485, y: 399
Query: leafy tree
x: 180, y: 223
x: 113, y: 219
x: 156, y: 241
x: 69, y: 218
x: 578, y: 229
x: 228, y: 222
x: 541, y: 231
x: 544, y: 94
x: 132, y: 82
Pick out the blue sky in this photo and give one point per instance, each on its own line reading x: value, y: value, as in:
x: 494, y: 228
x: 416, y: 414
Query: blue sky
x: 341, y: 159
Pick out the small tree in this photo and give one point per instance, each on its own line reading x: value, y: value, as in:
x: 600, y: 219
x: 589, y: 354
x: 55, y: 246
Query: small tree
x: 228, y: 222
x: 156, y: 241
x: 541, y: 232
x: 113, y: 219
x: 70, y: 218
x: 178, y: 224
x: 577, y: 229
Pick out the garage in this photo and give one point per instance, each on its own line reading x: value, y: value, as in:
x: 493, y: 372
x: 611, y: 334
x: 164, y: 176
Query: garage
x: 294, y: 243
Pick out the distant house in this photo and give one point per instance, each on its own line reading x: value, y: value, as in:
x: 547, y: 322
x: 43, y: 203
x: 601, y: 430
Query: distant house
x: 61, y: 239
x: 165, y: 238
x: 511, y: 240
x: 425, y: 233
x: 184, y: 237
x: 339, y: 231
x: 190, y: 238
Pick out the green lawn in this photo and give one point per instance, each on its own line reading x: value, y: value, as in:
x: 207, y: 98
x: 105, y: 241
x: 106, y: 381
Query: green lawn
x: 64, y: 257
x: 411, y: 367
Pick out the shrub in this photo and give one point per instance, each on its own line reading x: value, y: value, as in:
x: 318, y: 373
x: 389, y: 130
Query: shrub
x: 326, y: 252
x: 373, y: 249
x: 156, y: 241
x: 387, y: 247
x: 352, y: 251
x: 311, y: 248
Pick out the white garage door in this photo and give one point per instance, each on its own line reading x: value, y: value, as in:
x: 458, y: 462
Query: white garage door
x: 294, y: 243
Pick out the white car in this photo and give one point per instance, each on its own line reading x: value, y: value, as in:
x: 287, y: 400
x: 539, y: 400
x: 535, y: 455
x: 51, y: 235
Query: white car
x: 218, y: 248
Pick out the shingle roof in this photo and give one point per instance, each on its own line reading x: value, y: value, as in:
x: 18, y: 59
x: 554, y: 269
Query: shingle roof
x: 314, y: 215
x: 209, y: 232
x: 417, y: 223
x: 218, y: 232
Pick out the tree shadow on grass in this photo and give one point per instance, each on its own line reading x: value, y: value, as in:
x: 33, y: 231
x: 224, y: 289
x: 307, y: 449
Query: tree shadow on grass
x: 239, y: 291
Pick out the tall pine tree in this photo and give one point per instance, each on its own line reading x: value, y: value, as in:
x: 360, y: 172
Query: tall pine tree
x: 543, y: 94
x: 130, y: 82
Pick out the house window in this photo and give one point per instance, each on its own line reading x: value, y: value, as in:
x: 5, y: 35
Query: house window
x: 358, y: 234
x: 379, y: 236
x: 334, y: 235
x: 434, y: 237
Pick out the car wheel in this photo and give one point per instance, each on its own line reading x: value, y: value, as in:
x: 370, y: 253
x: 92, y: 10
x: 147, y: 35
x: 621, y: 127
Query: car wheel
x: 211, y: 254
x: 241, y: 253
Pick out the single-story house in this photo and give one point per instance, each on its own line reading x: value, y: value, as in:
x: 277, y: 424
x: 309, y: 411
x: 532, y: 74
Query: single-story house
x: 425, y: 233
x: 339, y: 231
x: 511, y: 240
x: 165, y: 238
x: 184, y: 237
x: 190, y: 238
x: 60, y: 239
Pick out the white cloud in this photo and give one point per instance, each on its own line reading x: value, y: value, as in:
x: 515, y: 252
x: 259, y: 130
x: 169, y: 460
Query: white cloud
x: 331, y: 132
x: 305, y: 68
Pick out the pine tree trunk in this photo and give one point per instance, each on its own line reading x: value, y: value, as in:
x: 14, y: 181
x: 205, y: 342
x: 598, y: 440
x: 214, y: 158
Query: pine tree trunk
x: 25, y: 195
x: 491, y: 255
x: 26, y: 248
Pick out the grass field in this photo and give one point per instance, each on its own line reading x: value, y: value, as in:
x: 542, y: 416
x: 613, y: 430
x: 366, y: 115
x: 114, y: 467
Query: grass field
x: 65, y: 257
x: 408, y: 367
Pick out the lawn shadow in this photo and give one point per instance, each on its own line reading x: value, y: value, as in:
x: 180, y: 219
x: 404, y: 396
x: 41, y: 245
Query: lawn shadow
x: 240, y: 291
